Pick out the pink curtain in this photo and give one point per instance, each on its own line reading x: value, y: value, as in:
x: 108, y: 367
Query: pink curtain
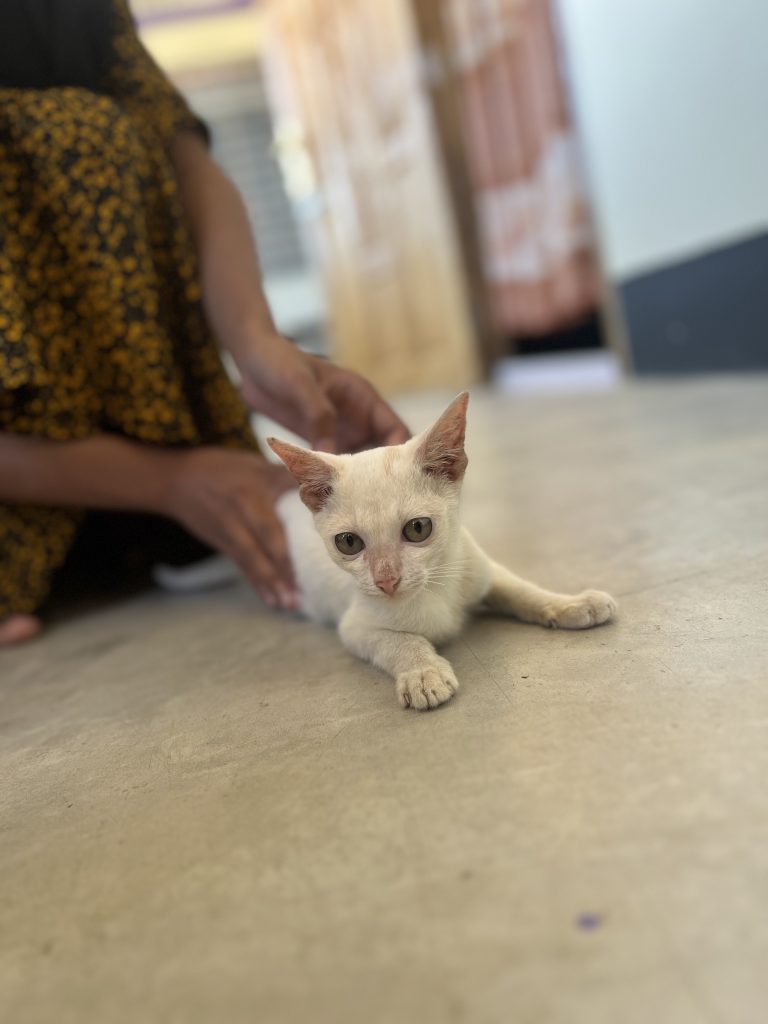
x: 533, y: 216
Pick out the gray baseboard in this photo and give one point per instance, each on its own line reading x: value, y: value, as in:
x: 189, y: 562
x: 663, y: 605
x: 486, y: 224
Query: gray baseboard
x: 706, y: 314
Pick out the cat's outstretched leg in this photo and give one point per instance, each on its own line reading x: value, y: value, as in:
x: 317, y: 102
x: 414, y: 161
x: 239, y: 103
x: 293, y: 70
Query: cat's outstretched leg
x: 423, y: 679
x: 514, y: 596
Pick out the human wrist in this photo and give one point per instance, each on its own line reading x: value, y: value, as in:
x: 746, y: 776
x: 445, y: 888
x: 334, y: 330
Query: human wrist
x: 126, y: 475
x: 250, y: 336
x: 167, y: 480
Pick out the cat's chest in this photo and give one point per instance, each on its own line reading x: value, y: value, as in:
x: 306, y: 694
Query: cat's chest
x: 438, y: 617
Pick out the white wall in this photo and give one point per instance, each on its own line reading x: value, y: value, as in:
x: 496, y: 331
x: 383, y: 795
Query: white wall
x: 671, y: 97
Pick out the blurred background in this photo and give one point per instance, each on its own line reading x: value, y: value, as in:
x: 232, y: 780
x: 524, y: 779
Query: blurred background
x: 545, y: 193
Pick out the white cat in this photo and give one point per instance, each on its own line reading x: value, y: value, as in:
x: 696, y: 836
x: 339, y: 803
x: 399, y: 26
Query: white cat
x: 389, y: 563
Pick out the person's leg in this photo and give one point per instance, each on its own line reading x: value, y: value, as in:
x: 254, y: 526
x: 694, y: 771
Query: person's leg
x: 64, y: 304
x: 109, y: 330
x: 34, y: 542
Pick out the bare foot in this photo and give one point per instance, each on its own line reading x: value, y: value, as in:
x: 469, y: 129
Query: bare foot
x: 18, y: 628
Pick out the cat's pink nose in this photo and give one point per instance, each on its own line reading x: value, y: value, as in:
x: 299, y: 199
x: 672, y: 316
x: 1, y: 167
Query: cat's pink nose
x: 389, y: 586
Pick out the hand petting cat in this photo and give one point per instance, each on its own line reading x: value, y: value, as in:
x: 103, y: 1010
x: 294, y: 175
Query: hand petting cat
x: 233, y: 508
x: 227, y: 498
x: 334, y: 409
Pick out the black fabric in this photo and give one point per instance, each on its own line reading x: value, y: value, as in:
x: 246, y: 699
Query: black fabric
x: 114, y: 554
x: 49, y: 43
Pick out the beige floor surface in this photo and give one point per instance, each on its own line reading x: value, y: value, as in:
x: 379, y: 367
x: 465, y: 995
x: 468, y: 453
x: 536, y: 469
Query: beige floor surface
x: 209, y: 812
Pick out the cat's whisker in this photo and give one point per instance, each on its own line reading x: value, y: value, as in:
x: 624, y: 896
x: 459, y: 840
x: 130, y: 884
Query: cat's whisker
x: 441, y: 577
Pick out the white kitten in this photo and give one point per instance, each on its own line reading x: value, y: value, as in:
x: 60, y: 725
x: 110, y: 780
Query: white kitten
x: 389, y: 563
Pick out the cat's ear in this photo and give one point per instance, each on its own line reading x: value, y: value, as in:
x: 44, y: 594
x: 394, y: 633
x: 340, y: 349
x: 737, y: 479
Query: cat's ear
x: 441, y: 451
x: 313, y: 471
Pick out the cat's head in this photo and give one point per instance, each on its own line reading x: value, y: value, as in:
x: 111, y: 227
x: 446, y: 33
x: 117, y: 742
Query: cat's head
x: 388, y: 516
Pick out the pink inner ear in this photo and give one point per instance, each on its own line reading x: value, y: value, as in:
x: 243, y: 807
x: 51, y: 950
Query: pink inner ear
x: 315, y: 496
x: 442, y: 451
x: 313, y: 474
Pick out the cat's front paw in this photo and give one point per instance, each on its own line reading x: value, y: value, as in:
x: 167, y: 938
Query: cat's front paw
x: 590, y: 608
x: 427, y: 686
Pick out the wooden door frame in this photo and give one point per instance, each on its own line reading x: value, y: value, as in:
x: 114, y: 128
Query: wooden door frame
x: 441, y: 88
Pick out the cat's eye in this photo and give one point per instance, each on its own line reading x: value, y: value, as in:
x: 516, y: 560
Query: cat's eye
x: 417, y: 530
x: 349, y: 543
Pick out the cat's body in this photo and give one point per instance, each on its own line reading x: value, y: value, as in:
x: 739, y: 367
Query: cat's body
x: 379, y: 552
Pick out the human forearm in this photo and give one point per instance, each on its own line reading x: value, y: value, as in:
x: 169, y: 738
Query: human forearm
x: 233, y: 295
x: 226, y: 498
x: 97, y: 472
x: 329, y: 406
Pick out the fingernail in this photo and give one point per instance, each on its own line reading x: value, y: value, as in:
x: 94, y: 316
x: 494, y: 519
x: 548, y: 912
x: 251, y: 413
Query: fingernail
x: 325, y: 444
x: 287, y: 597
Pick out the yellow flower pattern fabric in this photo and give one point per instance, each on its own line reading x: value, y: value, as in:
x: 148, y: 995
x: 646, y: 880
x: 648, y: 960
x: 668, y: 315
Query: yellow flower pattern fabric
x: 101, y: 322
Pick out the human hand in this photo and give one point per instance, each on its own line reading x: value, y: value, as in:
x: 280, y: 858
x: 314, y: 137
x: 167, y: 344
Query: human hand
x: 334, y: 409
x: 227, y: 499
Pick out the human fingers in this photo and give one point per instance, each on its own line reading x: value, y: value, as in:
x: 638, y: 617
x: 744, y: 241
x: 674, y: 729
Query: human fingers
x: 248, y: 552
x: 301, y: 405
x: 365, y: 416
x: 317, y: 411
x: 270, y: 537
x: 285, y: 384
x: 386, y: 425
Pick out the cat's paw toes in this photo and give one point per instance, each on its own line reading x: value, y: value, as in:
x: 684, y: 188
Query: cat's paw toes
x: 590, y: 608
x: 427, y: 686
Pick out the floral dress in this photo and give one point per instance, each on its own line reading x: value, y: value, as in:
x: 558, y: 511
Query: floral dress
x: 101, y: 324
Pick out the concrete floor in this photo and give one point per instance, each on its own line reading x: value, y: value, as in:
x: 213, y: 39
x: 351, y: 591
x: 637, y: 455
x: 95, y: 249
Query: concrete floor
x: 209, y: 812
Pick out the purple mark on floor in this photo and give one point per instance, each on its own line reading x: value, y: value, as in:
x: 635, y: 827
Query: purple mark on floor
x: 588, y: 922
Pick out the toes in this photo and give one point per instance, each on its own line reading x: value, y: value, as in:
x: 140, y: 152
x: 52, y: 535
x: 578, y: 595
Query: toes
x: 450, y: 682
x: 590, y: 608
x: 18, y: 628
x: 419, y: 698
x: 602, y: 606
x: 438, y: 689
x: 411, y: 692
x: 577, y: 616
x: 428, y: 688
x: 404, y: 691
